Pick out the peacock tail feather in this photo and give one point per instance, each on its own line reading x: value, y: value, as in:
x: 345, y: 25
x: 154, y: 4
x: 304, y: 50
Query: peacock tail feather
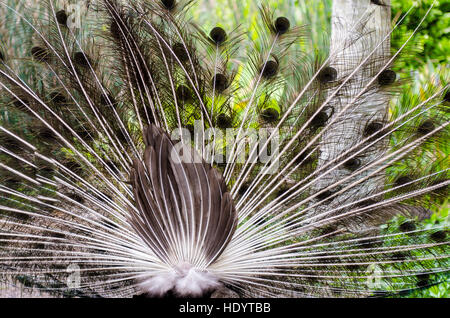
x: 142, y: 154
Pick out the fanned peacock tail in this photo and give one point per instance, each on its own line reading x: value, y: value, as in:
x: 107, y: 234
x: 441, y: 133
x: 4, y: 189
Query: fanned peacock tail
x: 153, y: 157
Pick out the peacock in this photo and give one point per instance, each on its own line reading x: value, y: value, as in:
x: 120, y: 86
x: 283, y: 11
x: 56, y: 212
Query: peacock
x: 143, y: 155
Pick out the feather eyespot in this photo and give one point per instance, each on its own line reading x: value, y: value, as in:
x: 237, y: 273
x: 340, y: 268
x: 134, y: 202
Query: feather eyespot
x: 372, y: 128
x: 327, y: 74
x: 57, y: 235
x: 439, y: 236
x: 270, y: 69
x: 321, y: 118
x: 426, y: 127
x: 21, y: 105
x: 46, y: 171
x: 243, y: 188
x: 10, y: 143
x: 112, y: 166
x: 423, y: 280
x: 61, y: 17
x: 282, y: 191
x: 115, y: 30
x: 23, y: 217
x: 40, y: 54
x: 58, y: 98
x: 407, y: 226
x: 82, y: 59
x: 377, y: 2
x: 352, y: 164
x: 12, y: 182
x: 84, y: 132
x: 40, y: 246
x: 107, y: 99
x: 400, y: 181
x: 73, y: 166
x: 146, y: 112
x: 282, y: 25
x: 220, y: 82
x: 218, y: 35
x: 327, y: 194
x: 387, y: 77
x: 180, y: 51
x: 329, y: 229
x: 302, y: 159
x: 447, y: 96
x: 224, y: 121
x: 46, y: 134
x: 76, y: 197
x: 168, y: 4
x: 183, y: 93
x: 270, y: 115
x: 123, y: 136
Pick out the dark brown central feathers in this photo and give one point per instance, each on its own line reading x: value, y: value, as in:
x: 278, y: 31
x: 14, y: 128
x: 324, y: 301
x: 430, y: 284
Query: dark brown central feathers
x: 180, y: 201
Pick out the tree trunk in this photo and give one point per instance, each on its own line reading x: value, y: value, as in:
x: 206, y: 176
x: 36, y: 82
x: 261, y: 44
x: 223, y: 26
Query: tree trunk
x: 350, y: 44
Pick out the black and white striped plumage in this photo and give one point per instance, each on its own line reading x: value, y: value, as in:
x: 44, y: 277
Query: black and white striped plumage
x: 89, y: 175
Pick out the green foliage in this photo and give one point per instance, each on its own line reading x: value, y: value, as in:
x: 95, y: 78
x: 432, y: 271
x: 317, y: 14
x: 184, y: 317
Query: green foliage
x: 436, y: 285
x: 433, y: 40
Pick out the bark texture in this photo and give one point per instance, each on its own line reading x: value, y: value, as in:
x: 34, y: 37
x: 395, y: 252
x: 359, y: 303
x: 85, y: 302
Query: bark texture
x: 358, y: 27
